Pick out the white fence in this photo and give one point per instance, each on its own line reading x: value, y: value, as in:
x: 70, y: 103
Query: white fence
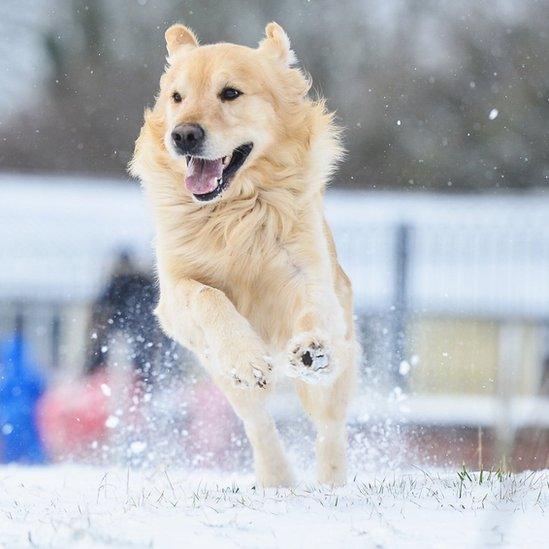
x: 478, y: 255
x: 474, y: 255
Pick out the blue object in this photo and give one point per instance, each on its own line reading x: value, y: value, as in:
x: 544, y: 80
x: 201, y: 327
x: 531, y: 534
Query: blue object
x: 21, y: 385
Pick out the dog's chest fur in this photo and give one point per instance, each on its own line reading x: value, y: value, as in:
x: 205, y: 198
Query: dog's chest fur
x: 251, y: 256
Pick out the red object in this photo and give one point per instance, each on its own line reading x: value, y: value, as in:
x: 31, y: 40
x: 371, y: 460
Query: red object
x: 212, y: 424
x: 72, y: 416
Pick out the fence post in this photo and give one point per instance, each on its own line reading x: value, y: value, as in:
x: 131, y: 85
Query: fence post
x: 19, y: 323
x: 55, y: 338
x: 511, y: 348
x: 400, y: 299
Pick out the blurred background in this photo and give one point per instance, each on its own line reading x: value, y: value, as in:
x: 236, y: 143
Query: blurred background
x: 440, y: 214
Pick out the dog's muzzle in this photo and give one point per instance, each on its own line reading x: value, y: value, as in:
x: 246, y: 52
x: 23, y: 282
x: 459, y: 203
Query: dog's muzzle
x: 188, y: 138
x: 207, y: 178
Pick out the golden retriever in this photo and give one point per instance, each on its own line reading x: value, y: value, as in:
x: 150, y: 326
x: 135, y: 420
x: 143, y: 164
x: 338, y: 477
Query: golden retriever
x: 235, y: 158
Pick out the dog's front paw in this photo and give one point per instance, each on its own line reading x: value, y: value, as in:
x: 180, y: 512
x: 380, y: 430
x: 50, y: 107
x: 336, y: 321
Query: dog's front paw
x: 248, y: 366
x: 309, y: 358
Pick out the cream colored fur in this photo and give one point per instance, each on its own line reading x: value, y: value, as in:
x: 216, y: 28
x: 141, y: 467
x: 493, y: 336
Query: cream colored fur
x: 251, y: 281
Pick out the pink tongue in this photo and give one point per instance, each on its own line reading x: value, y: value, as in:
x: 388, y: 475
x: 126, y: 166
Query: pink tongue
x: 202, y: 175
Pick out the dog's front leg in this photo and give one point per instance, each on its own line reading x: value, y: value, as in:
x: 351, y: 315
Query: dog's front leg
x: 327, y: 406
x: 204, y: 319
x: 319, y: 329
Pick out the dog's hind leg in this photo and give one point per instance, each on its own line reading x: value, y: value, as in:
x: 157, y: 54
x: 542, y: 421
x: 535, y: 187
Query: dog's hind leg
x: 327, y: 406
x: 270, y: 464
x: 326, y: 391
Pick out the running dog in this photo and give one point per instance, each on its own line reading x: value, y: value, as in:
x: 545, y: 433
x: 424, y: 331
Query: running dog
x: 235, y: 157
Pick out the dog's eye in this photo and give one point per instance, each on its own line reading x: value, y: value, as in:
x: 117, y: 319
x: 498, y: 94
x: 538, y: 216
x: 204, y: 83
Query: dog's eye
x: 229, y: 94
x: 176, y: 96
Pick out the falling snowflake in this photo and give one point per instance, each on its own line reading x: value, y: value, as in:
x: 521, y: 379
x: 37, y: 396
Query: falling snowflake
x: 112, y: 422
x: 137, y: 447
x: 404, y: 368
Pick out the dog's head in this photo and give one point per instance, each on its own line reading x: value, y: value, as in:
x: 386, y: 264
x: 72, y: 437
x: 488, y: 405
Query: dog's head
x: 225, y: 111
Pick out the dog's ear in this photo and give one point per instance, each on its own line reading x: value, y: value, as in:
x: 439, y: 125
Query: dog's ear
x: 276, y: 44
x: 178, y: 36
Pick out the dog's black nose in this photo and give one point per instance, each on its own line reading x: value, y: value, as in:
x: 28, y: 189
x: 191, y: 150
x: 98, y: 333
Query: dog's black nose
x: 188, y: 138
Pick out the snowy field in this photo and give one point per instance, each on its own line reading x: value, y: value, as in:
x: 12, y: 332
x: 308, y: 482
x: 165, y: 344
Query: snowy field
x: 76, y: 506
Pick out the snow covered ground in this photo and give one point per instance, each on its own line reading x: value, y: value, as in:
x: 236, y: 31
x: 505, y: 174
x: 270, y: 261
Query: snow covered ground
x: 70, y: 506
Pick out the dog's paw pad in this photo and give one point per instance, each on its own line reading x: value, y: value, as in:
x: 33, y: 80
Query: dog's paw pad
x: 259, y: 376
x: 250, y: 375
x: 238, y: 380
x: 309, y: 358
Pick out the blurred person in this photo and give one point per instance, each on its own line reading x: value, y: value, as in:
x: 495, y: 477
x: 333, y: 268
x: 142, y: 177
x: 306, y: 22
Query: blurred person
x: 78, y: 416
x: 125, y: 308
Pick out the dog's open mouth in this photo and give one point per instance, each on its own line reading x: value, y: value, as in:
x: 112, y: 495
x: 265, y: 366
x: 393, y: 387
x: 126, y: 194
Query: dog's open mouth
x: 207, y: 179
